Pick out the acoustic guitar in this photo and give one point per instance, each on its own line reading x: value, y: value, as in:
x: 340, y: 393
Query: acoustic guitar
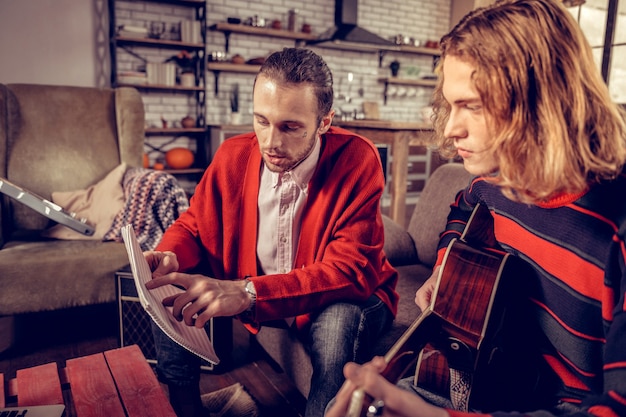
x: 471, y: 344
x: 45, y: 207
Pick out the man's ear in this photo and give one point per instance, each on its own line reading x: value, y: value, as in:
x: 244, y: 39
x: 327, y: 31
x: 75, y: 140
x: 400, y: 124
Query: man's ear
x: 326, y: 122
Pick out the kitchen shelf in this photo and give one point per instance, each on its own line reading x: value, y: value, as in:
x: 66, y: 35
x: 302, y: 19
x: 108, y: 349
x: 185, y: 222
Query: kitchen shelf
x: 423, y: 82
x: 405, y: 81
x: 191, y: 3
x: 218, y: 67
x: 380, y: 49
x: 161, y: 43
x: 161, y: 87
x: 228, y: 28
x: 157, y: 131
x: 227, y: 66
x: 419, y: 50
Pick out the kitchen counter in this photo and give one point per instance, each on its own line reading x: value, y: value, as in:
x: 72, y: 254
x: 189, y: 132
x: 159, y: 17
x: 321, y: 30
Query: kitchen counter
x: 399, y: 136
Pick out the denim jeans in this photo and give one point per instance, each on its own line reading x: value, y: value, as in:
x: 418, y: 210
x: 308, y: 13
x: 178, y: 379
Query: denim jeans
x: 340, y: 333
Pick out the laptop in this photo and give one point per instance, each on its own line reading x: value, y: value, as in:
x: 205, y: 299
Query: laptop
x: 55, y: 410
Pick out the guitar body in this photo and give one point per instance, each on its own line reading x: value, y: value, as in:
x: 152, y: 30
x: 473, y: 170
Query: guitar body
x: 481, y: 357
x: 473, y: 343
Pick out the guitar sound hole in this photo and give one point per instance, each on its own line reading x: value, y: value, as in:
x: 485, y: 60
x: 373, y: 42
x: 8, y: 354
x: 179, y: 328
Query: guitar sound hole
x: 460, y: 356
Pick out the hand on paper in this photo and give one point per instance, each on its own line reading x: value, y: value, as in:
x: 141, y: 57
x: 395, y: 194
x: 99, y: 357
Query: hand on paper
x: 397, y: 402
x: 161, y: 263
x: 203, y: 297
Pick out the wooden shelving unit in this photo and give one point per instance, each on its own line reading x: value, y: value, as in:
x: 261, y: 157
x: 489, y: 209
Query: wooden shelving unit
x: 228, y: 28
x: 197, y: 49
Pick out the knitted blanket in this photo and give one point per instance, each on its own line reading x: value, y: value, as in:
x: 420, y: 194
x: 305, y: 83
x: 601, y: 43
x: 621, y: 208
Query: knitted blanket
x: 154, y: 199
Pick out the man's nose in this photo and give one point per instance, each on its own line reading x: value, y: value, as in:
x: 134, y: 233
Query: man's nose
x: 272, y: 138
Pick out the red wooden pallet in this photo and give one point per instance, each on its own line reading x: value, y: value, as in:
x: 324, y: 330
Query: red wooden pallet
x: 115, y: 383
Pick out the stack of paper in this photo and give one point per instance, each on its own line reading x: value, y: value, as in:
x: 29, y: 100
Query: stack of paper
x: 191, y: 338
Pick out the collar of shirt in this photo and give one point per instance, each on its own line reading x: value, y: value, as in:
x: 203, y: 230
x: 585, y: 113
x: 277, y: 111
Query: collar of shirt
x: 301, y: 174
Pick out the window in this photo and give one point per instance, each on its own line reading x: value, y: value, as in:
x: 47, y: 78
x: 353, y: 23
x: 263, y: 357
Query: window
x: 604, y: 25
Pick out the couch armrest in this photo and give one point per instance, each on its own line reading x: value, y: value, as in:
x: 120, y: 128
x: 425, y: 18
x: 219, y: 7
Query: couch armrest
x: 399, y: 246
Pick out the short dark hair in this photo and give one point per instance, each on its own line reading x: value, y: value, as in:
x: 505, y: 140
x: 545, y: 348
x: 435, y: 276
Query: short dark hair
x: 301, y: 65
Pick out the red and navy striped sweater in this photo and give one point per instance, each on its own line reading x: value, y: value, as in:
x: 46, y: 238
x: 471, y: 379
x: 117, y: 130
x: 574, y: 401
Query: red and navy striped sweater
x: 576, y: 245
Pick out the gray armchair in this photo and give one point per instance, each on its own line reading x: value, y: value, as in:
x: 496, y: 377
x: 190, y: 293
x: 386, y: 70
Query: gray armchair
x: 57, y: 138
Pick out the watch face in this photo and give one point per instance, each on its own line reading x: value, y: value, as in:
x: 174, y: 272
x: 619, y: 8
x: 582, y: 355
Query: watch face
x: 250, y: 288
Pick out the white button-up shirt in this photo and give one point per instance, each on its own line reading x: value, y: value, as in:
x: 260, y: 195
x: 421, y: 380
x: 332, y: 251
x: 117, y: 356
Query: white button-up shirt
x: 282, y: 197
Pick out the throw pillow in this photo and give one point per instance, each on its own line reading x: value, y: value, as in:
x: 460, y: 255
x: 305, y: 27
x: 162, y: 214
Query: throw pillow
x: 98, y: 204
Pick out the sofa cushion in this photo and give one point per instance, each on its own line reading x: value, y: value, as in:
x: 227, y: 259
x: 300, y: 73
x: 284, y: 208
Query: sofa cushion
x: 98, y: 204
x: 399, y: 246
x: 432, y: 208
x: 45, y: 275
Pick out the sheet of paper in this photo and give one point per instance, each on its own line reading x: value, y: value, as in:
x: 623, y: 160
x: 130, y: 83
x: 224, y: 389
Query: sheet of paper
x: 191, y: 338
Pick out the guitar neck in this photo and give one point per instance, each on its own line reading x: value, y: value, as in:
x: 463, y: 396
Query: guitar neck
x: 403, y: 354
x: 399, y: 358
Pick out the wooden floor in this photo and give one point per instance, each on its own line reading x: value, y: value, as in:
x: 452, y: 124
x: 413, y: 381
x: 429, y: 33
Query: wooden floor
x: 61, y: 335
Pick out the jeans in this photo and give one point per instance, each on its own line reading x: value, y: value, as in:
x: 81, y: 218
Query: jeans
x: 175, y: 366
x: 340, y: 333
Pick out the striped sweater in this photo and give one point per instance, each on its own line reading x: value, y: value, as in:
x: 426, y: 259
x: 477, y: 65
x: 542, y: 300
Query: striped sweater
x: 576, y: 245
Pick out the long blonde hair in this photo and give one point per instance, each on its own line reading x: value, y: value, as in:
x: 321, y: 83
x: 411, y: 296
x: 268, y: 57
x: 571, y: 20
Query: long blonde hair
x: 555, y: 128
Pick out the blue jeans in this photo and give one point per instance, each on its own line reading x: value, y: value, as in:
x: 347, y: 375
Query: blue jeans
x: 340, y: 333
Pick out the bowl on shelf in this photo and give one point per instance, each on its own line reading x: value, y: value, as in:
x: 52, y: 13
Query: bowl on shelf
x: 188, y: 122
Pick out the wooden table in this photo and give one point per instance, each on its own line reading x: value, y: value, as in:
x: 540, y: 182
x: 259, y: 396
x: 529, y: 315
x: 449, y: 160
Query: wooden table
x: 399, y: 136
x: 115, y: 383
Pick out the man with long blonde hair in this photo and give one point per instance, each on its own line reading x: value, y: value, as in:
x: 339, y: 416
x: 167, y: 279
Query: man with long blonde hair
x: 522, y: 102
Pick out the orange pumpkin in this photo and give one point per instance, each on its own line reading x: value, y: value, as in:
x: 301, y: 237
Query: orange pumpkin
x: 179, y: 158
x: 146, y: 161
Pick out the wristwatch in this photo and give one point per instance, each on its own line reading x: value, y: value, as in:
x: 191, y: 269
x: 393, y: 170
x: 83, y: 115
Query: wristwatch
x: 251, y: 291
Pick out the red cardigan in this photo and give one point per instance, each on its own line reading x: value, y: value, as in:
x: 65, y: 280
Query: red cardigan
x: 340, y: 253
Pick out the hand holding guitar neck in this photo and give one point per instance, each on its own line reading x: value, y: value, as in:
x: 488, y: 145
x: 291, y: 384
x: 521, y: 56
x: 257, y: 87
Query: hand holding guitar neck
x: 45, y: 207
x: 399, y: 359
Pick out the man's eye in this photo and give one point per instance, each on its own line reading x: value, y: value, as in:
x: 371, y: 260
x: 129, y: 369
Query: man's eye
x: 290, y: 128
x: 262, y: 122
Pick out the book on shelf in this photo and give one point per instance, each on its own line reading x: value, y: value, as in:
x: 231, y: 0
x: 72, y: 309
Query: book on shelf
x: 128, y: 31
x: 191, y: 338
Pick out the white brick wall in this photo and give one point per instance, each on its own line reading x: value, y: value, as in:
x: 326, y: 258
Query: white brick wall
x: 421, y: 19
